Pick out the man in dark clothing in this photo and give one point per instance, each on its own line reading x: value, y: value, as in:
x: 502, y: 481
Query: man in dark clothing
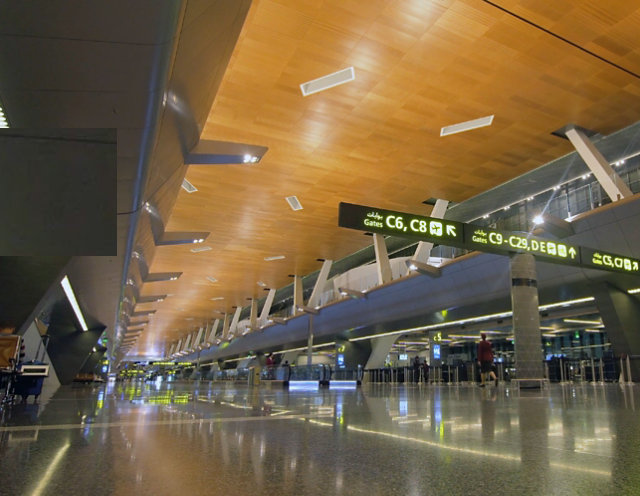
x: 485, y: 359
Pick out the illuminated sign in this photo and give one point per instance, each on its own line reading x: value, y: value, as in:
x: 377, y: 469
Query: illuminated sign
x: 610, y: 261
x: 400, y: 224
x: 435, y: 336
x: 403, y: 356
x: 473, y: 237
x: 436, y: 351
x: 484, y: 239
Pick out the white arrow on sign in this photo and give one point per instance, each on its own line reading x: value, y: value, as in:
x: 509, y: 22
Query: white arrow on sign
x: 451, y: 230
x: 572, y: 252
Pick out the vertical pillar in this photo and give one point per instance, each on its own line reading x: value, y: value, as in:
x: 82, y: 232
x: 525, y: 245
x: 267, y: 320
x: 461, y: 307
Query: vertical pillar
x: 225, y: 326
x: 253, y: 316
x: 382, y: 259
x: 233, y: 328
x: 310, y: 341
x: 526, y: 319
x: 297, y: 294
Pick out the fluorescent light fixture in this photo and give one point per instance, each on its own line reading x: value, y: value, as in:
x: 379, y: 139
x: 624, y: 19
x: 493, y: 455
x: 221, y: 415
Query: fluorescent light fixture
x: 68, y: 290
x: 579, y: 321
x: 423, y: 268
x: 217, y: 298
x: 566, y: 303
x: 634, y: 291
x: 328, y: 81
x: 188, y: 187
x: 358, y: 295
x: 200, y: 248
x: 594, y: 330
x: 3, y: 118
x: 294, y: 203
x: 271, y: 259
x: 466, y: 126
x: 211, y: 279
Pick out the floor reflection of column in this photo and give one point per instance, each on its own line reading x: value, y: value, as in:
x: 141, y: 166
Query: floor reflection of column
x: 488, y: 413
x: 533, y: 412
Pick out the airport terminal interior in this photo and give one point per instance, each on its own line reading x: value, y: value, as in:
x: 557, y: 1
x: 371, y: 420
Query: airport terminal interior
x: 316, y: 247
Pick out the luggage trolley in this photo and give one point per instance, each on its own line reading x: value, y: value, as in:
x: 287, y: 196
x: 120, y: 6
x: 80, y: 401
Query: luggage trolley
x: 9, y: 356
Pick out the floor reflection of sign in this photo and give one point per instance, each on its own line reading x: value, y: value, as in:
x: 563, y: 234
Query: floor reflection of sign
x: 340, y: 360
x: 436, y: 351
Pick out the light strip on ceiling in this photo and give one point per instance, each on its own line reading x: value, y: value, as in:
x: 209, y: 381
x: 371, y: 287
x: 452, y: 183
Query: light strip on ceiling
x: 68, y: 290
x: 200, y: 248
x: 271, y: 259
x: 579, y: 321
x: 3, y: 118
x: 482, y: 318
x: 328, y: 81
x: 466, y: 126
x: 634, y: 291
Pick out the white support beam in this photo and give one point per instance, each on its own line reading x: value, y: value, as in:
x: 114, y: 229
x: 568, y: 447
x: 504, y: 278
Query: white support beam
x: 264, y: 315
x: 380, y: 348
x: 612, y: 184
x: 382, y: 259
x: 173, y: 347
x: 321, y: 283
x: 253, y: 316
x: 233, y: 328
x: 212, y: 332
x: 187, y: 343
x: 423, y: 251
x: 297, y: 294
x: 178, y: 346
x: 225, y: 326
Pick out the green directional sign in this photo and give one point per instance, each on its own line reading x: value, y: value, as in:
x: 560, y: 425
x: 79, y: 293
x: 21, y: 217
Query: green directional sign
x: 597, y: 259
x: 484, y: 239
x: 401, y: 224
x: 473, y: 237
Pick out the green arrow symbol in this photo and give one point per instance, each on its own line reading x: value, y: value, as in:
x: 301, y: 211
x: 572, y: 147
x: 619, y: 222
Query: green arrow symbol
x: 572, y: 252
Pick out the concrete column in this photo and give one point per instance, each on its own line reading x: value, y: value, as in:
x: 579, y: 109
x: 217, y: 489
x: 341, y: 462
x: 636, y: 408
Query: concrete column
x: 310, y: 341
x: 526, y: 319
x: 321, y: 282
x: 620, y: 313
x: 264, y: 315
x: 253, y: 316
x: 382, y: 259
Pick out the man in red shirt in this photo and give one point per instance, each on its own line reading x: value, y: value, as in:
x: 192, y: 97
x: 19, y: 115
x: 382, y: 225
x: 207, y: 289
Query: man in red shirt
x: 485, y: 359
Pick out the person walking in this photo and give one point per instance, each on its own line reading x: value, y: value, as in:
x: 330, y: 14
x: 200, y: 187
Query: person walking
x: 485, y: 359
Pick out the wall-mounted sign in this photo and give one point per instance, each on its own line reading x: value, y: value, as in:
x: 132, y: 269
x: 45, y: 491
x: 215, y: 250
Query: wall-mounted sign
x: 473, y: 237
x: 436, y: 352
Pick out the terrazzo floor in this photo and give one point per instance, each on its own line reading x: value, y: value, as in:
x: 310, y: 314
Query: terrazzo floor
x: 224, y: 439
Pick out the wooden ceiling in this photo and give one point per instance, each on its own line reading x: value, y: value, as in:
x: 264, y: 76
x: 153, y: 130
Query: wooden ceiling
x: 419, y: 65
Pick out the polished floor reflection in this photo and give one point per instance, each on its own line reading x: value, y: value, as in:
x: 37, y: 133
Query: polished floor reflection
x: 161, y: 439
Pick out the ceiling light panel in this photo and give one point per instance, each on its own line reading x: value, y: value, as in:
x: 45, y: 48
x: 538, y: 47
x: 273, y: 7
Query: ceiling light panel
x: 200, y: 248
x: 294, y: 203
x: 328, y: 81
x: 188, y: 187
x: 466, y: 126
x: 271, y: 259
x: 68, y: 290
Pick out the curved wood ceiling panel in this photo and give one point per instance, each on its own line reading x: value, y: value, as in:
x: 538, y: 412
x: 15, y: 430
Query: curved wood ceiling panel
x: 419, y: 66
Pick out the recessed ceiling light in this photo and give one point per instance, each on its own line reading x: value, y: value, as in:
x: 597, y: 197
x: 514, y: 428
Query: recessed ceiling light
x: 188, y: 187
x: 294, y: 203
x: 466, y: 126
x: 328, y: 81
x: 201, y: 248
x: 277, y: 257
x: 211, y: 279
x: 250, y: 159
x: 217, y: 298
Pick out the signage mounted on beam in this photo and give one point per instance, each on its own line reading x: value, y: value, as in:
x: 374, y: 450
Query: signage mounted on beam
x: 400, y: 224
x: 597, y: 259
x: 484, y: 239
x: 473, y: 237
